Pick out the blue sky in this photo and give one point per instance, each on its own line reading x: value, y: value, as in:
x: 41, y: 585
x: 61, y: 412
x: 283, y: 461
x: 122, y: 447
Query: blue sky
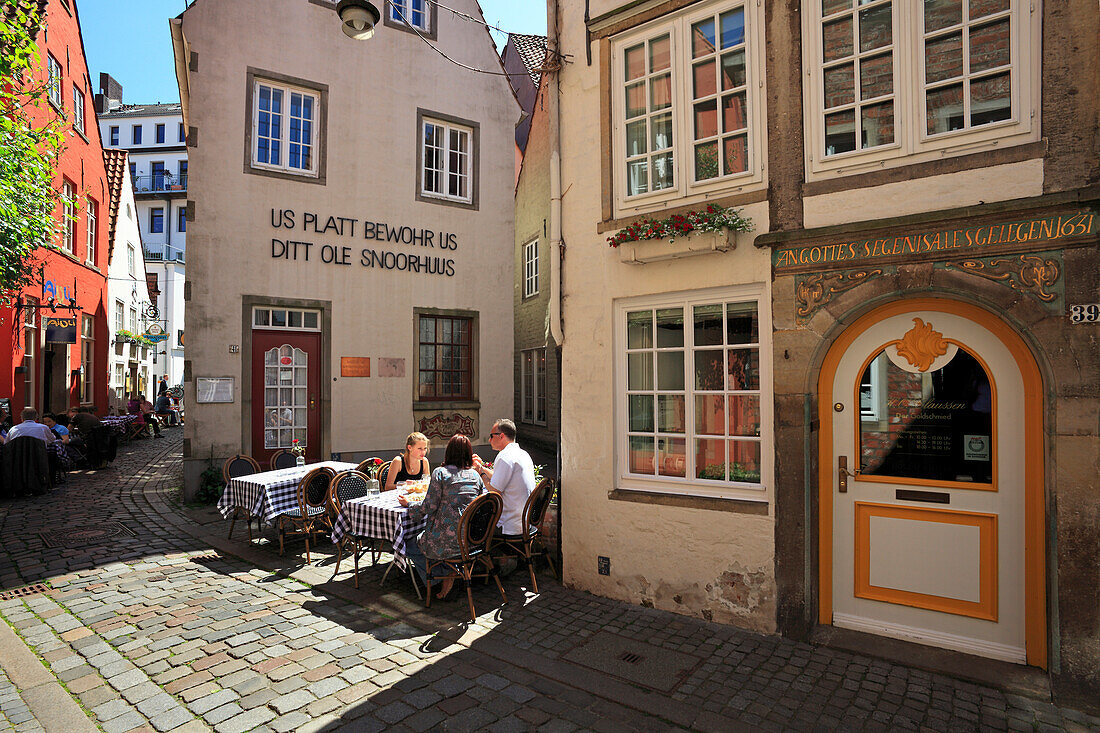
x: 129, y: 39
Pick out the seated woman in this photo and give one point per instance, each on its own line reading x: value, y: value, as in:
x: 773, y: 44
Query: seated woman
x: 411, y: 465
x: 453, y: 486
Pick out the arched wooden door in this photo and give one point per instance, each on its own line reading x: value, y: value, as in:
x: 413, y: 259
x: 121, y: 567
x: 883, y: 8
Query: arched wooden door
x: 931, y: 483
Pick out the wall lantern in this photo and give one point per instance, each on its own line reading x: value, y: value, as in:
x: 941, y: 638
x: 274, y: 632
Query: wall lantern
x: 358, y: 18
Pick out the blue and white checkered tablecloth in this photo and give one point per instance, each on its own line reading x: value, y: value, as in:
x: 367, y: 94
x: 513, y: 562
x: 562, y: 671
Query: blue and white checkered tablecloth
x: 269, y: 494
x: 380, y: 517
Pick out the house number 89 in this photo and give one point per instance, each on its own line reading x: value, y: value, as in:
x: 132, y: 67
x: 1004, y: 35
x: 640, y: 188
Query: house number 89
x: 1089, y: 313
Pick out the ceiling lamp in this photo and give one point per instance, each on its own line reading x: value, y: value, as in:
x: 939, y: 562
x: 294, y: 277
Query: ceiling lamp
x: 358, y: 18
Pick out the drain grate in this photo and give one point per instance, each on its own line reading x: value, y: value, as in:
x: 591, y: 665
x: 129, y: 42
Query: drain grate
x: 87, y: 535
x: 631, y: 657
x: 635, y: 661
x: 27, y: 590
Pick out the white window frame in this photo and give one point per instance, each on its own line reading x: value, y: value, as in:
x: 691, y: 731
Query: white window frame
x: 131, y: 260
x: 120, y: 379
x: 54, y: 74
x: 113, y: 137
x: 78, y: 109
x: 120, y: 316
x: 688, y: 486
x: 91, y: 221
x: 407, y: 13
x: 685, y: 190
x: 531, y: 268
x: 912, y: 143
x: 284, y: 128
x: 30, y: 339
x: 264, y: 317
x: 87, y: 357
x: 68, y: 212
x: 467, y: 171
x: 133, y: 320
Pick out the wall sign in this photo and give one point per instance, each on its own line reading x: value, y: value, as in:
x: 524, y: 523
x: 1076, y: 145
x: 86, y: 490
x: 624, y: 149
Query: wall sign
x: 941, y: 242
x: 214, y: 389
x: 421, y: 260
x: 60, y: 330
x: 444, y: 426
x: 1087, y: 313
x: 354, y: 366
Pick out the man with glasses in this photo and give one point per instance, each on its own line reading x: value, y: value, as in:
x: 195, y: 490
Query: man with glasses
x: 512, y: 475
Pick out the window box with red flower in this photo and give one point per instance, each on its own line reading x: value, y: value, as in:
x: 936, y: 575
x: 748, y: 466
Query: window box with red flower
x: 713, y: 229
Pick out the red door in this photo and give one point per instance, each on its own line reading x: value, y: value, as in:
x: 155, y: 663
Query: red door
x: 286, y: 393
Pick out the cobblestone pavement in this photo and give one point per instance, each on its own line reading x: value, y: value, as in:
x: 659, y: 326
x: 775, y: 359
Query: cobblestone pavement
x: 154, y: 621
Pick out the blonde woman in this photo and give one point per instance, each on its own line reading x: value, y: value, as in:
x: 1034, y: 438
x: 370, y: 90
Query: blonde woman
x: 412, y: 464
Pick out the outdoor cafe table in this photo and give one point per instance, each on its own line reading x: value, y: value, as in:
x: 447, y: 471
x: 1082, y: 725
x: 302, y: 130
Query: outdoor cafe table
x: 269, y: 494
x: 383, y: 518
x: 118, y: 423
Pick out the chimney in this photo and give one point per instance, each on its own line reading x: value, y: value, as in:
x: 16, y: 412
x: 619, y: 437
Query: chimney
x: 110, y: 94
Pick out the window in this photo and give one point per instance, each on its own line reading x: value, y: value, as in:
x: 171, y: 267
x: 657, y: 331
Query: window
x: 159, y: 132
x: 87, y: 354
x: 183, y: 173
x: 533, y: 386
x: 120, y: 316
x: 133, y: 171
x: 283, y: 131
x: 133, y: 320
x: 284, y: 319
x: 156, y: 220
x: 156, y: 171
x: 183, y: 135
x: 446, y: 155
x: 411, y: 13
x: 30, y: 348
x: 91, y: 231
x: 54, y: 90
x: 114, y: 135
x: 690, y: 414
x: 688, y: 102
x: 135, y: 135
x: 68, y: 208
x: 531, y: 269
x: 896, y: 80
x: 78, y: 109
x: 131, y: 260
x: 181, y: 219
x: 445, y: 369
x: 120, y: 381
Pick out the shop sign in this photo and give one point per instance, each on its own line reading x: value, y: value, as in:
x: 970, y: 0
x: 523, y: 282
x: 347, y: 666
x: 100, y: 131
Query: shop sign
x: 156, y: 334
x: 939, y: 242
x: 60, y: 330
x: 354, y: 366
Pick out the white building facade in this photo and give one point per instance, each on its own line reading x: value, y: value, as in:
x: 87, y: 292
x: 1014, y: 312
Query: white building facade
x: 129, y: 357
x: 155, y: 138
x: 351, y: 282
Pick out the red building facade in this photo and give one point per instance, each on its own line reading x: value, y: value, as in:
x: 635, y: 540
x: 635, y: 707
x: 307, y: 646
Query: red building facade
x: 43, y: 363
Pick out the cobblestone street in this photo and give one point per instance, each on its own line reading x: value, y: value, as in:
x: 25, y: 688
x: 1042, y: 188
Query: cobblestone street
x: 151, y: 620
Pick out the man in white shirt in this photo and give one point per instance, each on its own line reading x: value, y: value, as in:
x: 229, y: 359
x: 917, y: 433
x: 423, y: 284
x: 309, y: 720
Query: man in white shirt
x: 30, y: 426
x: 512, y: 475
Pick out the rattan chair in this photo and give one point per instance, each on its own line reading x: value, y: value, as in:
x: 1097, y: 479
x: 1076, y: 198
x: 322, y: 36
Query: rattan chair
x: 475, y: 532
x: 235, y: 467
x: 382, y: 473
x: 282, y: 458
x: 351, y: 485
x: 311, y: 515
x: 521, y: 545
x: 370, y: 467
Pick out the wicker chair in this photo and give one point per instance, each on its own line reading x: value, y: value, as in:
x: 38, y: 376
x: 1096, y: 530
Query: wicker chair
x: 475, y: 532
x: 370, y: 467
x: 235, y: 467
x: 311, y: 514
x: 282, y: 458
x: 521, y: 545
x: 351, y: 485
x: 381, y: 474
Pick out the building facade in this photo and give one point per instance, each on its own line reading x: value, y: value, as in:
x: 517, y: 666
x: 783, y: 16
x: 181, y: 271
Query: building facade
x: 54, y: 351
x: 350, y: 272
x: 866, y: 415
x: 130, y: 356
x: 537, y: 377
x: 154, y: 137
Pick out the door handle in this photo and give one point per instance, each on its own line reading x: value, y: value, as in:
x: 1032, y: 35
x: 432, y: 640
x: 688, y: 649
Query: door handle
x: 313, y: 402
x: 842, y: 473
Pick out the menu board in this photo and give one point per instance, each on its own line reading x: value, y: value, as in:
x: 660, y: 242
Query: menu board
x: 214, y: 389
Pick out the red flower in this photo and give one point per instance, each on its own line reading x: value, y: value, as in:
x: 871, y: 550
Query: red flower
x: 376, y: 462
